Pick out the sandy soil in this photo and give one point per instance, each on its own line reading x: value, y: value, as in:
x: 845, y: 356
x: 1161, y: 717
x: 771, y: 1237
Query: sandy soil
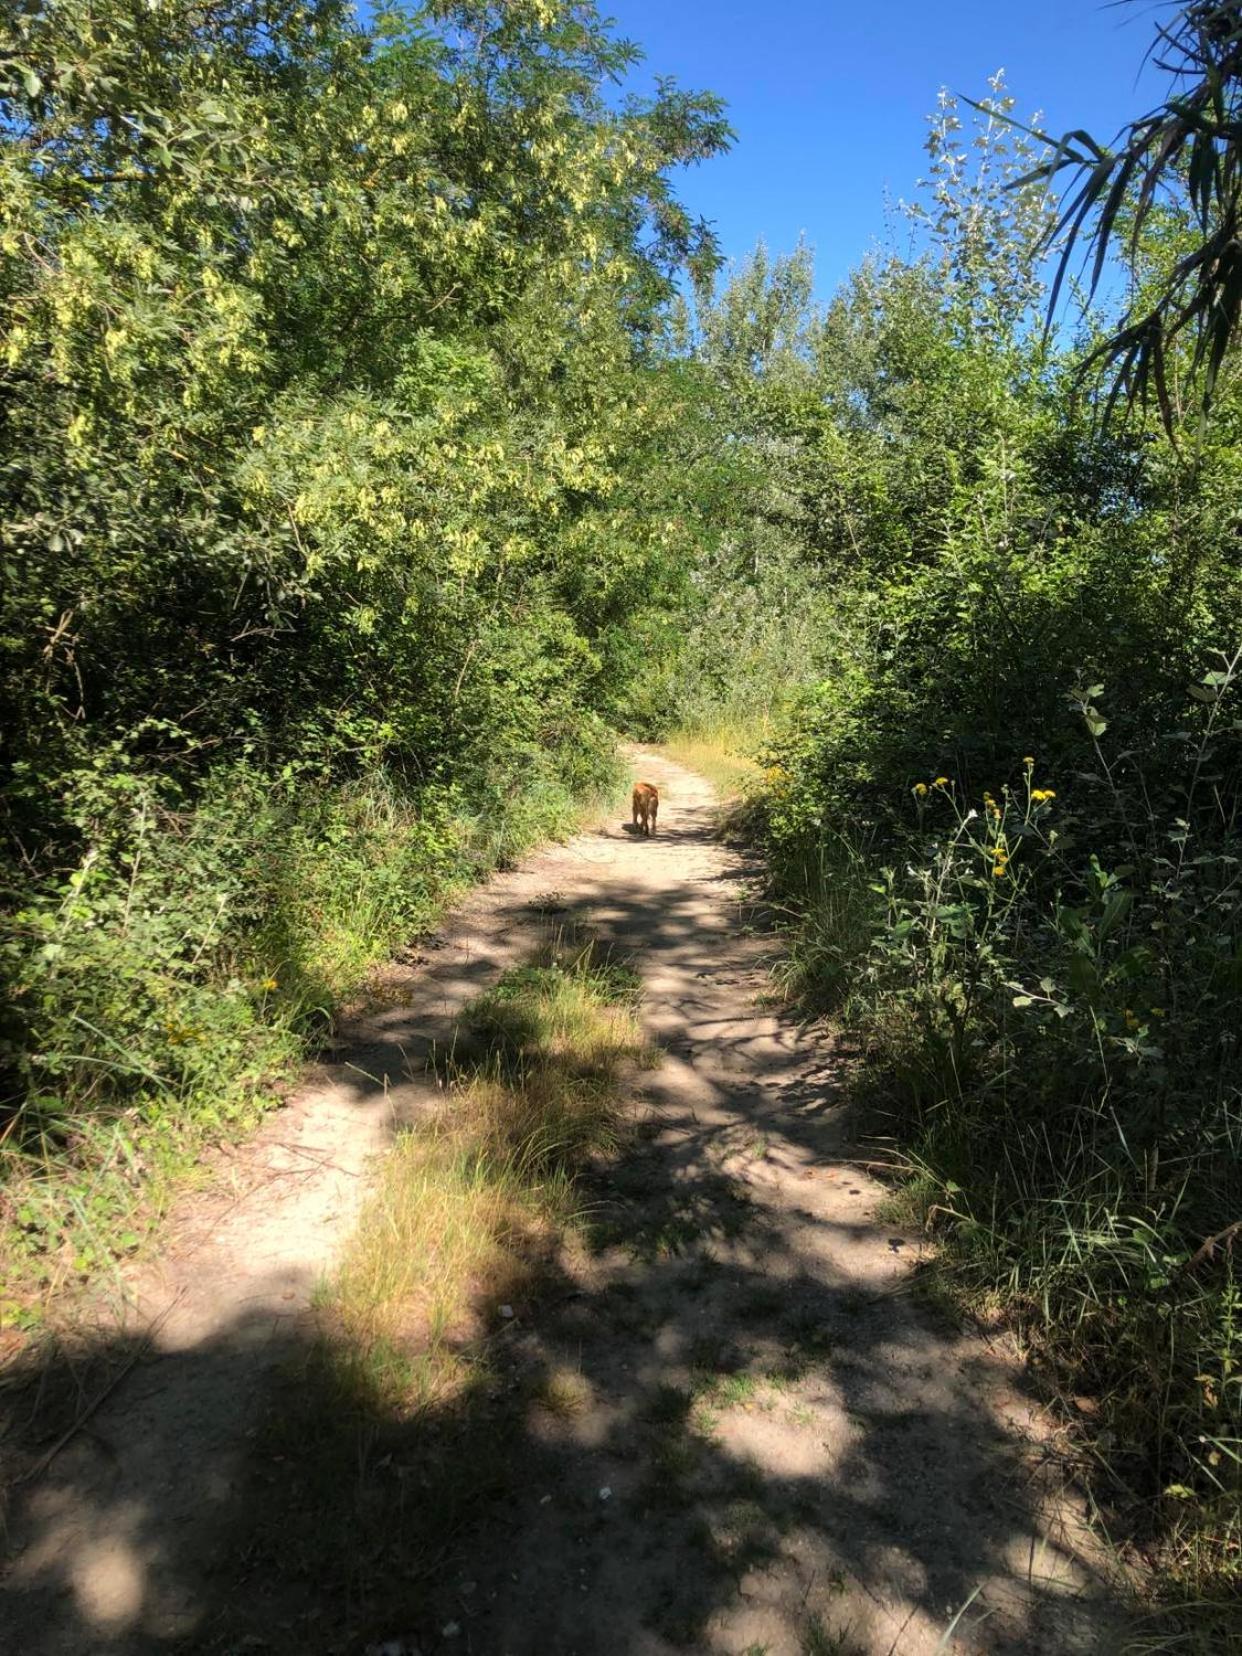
x: 776, y: 1449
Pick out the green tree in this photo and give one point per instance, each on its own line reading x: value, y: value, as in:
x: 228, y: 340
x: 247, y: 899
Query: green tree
x: 323, y: 354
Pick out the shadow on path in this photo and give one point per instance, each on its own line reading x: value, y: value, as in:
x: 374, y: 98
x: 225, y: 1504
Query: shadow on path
x: 720, y: 1426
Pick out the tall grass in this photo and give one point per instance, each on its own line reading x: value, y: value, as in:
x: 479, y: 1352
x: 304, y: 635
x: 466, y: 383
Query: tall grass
x: 829, y: 906
x: 723, y: 749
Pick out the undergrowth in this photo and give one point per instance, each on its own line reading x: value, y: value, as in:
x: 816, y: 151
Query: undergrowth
x: 164, y: 989
x: 1044, y: 978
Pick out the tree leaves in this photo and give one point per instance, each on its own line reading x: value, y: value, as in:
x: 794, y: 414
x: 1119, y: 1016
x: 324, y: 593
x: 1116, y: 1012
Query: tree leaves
x: 1188, y: 147
x: 321, y: 346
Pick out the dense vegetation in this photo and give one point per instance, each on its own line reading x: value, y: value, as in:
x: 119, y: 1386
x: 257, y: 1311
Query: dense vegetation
x: 329, y: 495
x: 1002, y: 810
x: 374, y: 440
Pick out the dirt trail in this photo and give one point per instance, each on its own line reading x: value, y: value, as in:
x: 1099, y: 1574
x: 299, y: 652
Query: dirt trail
x: 797, y: 1456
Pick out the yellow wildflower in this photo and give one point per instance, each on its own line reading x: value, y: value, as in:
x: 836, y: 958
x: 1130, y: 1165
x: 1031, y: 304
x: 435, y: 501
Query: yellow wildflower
x: 920, y: 788
x: 269, y: 983
x: 941, y: 782
x: 1028, y: 761
x: 999, y: 871
x: 1043, y: 794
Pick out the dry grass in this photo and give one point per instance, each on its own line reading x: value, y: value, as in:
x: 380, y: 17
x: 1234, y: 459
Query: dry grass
x: 565, y: 1392
x: 402, y: 1422
x: 467, y: 1210
x: 722, y: 752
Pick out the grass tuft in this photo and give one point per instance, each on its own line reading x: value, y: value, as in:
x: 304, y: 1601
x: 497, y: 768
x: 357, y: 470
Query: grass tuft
x: 467, y: 1209
x: 410, y: 1376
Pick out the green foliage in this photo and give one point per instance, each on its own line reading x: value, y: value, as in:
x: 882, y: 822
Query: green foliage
x: 161, y: 990
x: 752, y: 613
x: 362, y: 462
x: 986, y: 217
x: 1052, y: 1030
x: 998, y: 803
x: 323, y: 351
x: 1189, y: 146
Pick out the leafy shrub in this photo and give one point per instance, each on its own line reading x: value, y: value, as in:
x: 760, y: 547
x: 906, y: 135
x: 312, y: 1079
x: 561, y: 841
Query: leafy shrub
x: 328, y: 396
x: 1004, y: 838
x: 1051, y: 1033
x: 186, y: 962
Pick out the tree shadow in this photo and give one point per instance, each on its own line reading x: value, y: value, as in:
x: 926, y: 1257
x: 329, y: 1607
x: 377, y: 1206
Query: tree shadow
x: 719, y: 1424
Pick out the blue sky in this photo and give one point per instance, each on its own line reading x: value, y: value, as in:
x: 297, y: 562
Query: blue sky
x: 829, y: 100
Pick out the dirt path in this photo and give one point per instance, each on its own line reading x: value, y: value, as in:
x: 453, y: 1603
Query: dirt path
x: 774, y: 1450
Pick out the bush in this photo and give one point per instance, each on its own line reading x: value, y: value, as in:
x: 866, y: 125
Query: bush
x: 1003, y: 836
x: 330, y: 387
x: 1048, y: 985
x: 193, y: 956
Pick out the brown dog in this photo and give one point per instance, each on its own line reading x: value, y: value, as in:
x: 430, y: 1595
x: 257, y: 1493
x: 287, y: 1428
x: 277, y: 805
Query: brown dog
x: 646, y: 803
